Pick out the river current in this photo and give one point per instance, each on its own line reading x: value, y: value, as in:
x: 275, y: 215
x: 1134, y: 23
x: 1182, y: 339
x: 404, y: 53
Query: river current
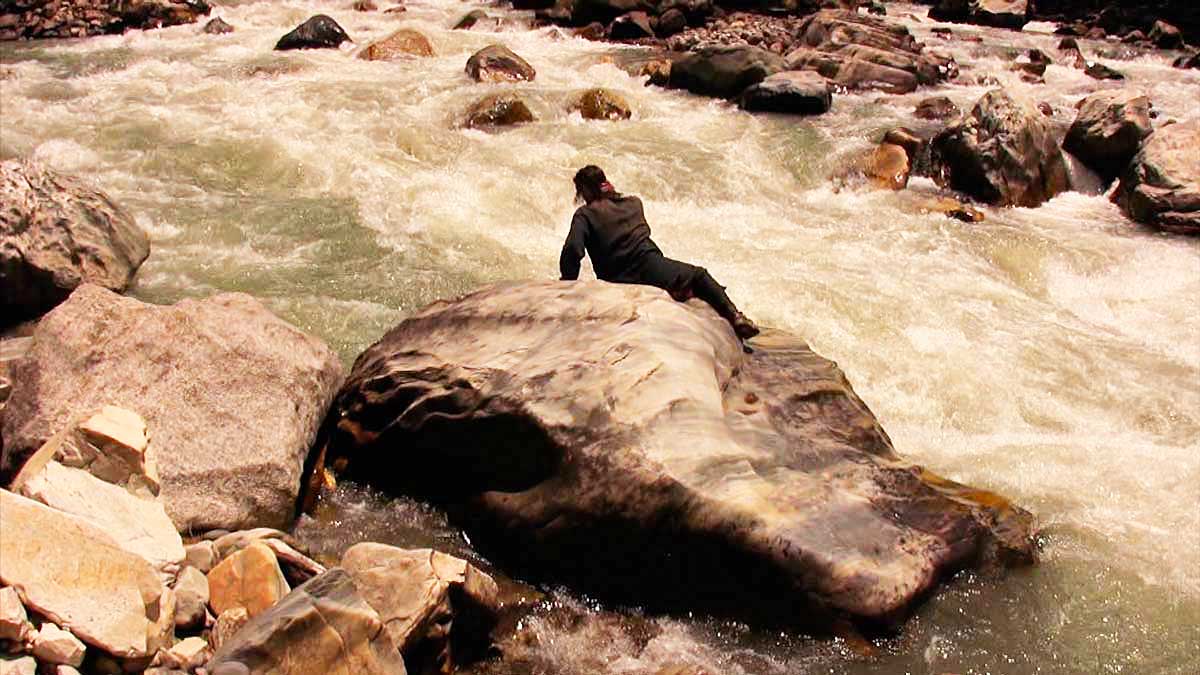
x: 1049, y: 354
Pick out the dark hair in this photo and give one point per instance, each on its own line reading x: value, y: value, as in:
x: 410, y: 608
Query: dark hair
x: 589, y: 179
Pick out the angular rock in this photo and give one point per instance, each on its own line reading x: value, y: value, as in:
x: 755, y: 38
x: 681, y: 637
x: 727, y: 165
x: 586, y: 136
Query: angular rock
x: 297, y: 567
x: 1004, y: 153
x: 202, y: 555
x: 250, y: 578
x: 796, y: 92
x: 56, y: 646
x: 402, y: 43
x: 321, y: 627
x: 139, y: 526
x: 498, y: 110
x: 228, y: 624
x: 551, y: 416
x: 57, y: 232
x: 217, y: 26
x: 319, y: 32
x: 72, y: 573
x: 602, y: 104
x: 1161, y: 186
x: 113, y: 446
x: 18, y: 665
x: 936, y: 108
x: 497, y: 63
x: 14, y: 622
x: 186, y: 655
x: 632, y: 26
x: 191, y: 599
x: 1165, y: 36
x: 1012, y: 14
x: 723, y: 71
x: 425, y: 599
x: 1108, y: 131
x: 255, y: 389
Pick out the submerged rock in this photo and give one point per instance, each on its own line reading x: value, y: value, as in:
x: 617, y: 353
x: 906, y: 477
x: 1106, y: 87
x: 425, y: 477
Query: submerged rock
x: 404, y: 42
x: 72, y: 573
x: 497, y: 63
x: 1108, y: 131
x: 321, y: 627
x: 498, y: 110
x: 610, y: 437
x: 319, y: 32
x: 1161, y: 186
x: 232, y: 396
x: 602, y: 104
x: 57, y: 232
x: 795, y: 92
x: 1003, y: 153
x: 723, y: 72
x: 888, y: 167
x: 936, y: 108
x: 468, y: 21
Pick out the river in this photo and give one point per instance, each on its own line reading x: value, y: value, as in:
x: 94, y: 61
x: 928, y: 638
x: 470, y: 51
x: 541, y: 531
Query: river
x: 1049, y: 354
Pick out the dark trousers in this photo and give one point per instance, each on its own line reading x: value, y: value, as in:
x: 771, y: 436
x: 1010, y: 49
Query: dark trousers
x: 684, y: 281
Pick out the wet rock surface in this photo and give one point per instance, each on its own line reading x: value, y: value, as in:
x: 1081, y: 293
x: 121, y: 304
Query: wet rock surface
x: 498, y: 110
x: 402, y: 43
x: 255, y: 390
x: 1108, y: 131
x: 1003, y: 153
x: 602, y: 104
x: 793, y: 92
x: 57, y: 232
x: 723, y: 72
x: 319, y: 32
x: 497, y: 63
x: 999, y: 13
x: 1161, y: 186
x: 741, y: 483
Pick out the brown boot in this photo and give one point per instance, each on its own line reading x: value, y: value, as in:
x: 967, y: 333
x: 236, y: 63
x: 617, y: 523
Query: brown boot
x: 743, y: 327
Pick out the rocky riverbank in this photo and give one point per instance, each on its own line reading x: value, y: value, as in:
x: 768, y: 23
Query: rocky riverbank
x: 30, y: 19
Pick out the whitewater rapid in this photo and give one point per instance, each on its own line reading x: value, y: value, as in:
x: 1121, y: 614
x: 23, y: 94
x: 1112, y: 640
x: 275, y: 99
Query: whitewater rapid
x: 1049, y: 354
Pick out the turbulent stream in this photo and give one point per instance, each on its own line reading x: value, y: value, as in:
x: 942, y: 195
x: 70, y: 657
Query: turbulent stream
x: 1049, y: 354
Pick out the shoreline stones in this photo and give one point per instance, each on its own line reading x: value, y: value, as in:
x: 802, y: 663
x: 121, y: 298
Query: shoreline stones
x: 318, y: 32
x: 255, y: 389
x: 685, y: 456
x: 1013, y: 14
x: 57, y: 232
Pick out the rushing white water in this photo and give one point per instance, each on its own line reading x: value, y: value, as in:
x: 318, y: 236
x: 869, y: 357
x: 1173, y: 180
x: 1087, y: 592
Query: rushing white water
x: 1050, y: 354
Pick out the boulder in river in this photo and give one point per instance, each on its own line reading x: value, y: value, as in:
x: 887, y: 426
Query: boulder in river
x: 498, y: 110
x: 671, y: 22
x: 1165, y: 36
x: 1161, y: 186
x: 72, y: 573
x: 217, y: 26
x: 723, y: 71
x: 631, y: 26
x: 402, y: 43
x: 232, y: 396
x: 1004, y: 153
x: 1108, y: 130
x: 602, y: 104
x: 799, y: 92
x: 57, y: 232
x: 865, y: 52
x: 497, y: 63
x: 322, y: 627
x: 1012, y: 14
x: 433, y: 604
x: 319, y: 32
x: 610, y: 437
x: 888, y: 166
x: 470, y: 19
x: 1188, y: 61
x: 936, y: 108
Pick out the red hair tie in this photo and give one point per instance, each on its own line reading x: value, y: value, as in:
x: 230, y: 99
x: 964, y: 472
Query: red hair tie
x: 606, y: 187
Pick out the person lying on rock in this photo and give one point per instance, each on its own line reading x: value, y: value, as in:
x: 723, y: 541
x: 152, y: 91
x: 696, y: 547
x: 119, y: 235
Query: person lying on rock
x: 612, y: 229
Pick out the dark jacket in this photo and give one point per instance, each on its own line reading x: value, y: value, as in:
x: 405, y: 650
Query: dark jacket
x: 613, y: 231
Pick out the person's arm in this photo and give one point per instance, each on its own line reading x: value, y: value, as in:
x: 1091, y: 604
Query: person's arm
x: 573, y: 249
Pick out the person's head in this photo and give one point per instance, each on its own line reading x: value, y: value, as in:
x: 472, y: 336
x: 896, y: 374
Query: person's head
x: 591, y: 184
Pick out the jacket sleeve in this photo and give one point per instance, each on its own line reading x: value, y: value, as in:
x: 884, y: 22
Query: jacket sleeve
x: 573, y: 249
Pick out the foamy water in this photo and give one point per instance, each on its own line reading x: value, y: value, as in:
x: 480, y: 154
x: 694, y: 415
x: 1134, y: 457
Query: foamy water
x: 1050, y: 354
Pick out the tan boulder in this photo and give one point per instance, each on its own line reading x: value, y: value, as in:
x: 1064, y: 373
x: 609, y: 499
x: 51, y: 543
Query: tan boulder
x: 498, y: 110
x: 202, y: 555
x: 73, y: 573
x: 249, y: 578
x: 888, y: 167
x: 186, y: 655
x: 419, y: 593
x: 602, y: 104
x: 403, y: 43
x: 115, y: 448
x: 191, y: 598
x: 14, y: 622
x: 56, y: 646
x: 497, y: 63
x: 228, y: 624
x: 321, y: 627
x: 140, y: 526
x: 18, y: 665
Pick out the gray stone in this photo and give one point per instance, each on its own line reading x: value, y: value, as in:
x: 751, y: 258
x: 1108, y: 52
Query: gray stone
x: 1161, y: 186
x: 191, y: 599
x: 1108, y: 131
x: 57, y: 232
x: 322, y: 627
x: 723, y: 71
x: 202, y: 555
x: 255, y: 389
x: 794, y: 92
x: 554, y: 416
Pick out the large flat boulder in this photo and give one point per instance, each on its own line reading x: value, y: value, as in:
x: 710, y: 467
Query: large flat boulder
x: 1004, y: 153
x: 609, y: 437
x: 321, y: 628
x: 71, y: 572
x: 1161, y: 186
x: 232, y: 396
x: 57, y: 232
x: 723, y: 71
x: 1108, y: 130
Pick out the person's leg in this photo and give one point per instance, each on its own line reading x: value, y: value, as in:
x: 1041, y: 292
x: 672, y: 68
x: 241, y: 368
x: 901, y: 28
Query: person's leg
x: 685, y: 281
x: 705, y: 287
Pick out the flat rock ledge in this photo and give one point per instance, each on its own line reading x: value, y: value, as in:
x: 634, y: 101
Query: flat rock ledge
x: 611, y: 438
